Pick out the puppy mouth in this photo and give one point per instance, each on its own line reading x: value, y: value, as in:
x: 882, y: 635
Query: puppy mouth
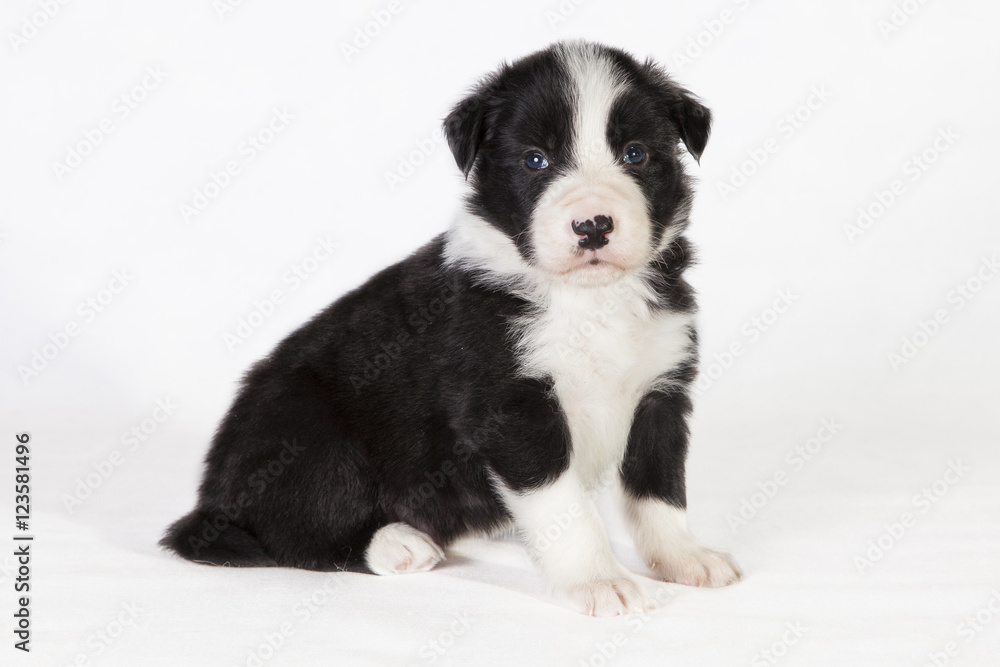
x: 589, y: 260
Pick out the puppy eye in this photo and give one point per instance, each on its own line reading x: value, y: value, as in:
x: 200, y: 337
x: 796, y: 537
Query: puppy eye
x: 536, y: 161
x: 635, y: 155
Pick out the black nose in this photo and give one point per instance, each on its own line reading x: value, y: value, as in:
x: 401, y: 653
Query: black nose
x: 592, y: 232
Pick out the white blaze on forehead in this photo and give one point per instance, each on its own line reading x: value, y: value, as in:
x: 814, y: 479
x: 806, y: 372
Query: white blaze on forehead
x: 597, y: 85
x: 596, y: 183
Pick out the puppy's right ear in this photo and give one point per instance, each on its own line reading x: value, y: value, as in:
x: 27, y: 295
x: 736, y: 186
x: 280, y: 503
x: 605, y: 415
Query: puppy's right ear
x: 465, y: 129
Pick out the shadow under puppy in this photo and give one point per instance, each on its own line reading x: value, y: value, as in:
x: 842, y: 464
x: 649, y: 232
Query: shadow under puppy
x: 541, y: 346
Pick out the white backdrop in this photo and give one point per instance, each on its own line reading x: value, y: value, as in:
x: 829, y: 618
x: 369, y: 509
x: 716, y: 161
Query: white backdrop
x: 185, y: 183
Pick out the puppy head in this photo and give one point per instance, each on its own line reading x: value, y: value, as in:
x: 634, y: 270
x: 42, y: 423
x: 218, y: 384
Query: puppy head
x: 574, y: 154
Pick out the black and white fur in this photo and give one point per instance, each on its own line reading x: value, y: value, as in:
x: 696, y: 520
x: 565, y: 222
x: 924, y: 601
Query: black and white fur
x: 503, y: 371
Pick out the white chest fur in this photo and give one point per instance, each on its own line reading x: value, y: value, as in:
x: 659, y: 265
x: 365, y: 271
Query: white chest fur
x: 604, y: 348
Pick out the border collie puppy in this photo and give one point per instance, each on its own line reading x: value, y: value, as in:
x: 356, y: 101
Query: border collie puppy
x: 541, y: 347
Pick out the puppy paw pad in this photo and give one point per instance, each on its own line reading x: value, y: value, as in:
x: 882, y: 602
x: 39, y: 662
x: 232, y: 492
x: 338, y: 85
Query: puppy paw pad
x: 699, y: 566
x: 611, y: 597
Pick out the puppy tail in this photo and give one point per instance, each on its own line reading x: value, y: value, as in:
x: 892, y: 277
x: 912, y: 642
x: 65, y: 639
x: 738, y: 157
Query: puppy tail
x: 200, y: 539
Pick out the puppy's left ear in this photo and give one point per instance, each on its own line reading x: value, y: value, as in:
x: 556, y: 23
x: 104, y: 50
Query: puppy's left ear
x: 693, y: 120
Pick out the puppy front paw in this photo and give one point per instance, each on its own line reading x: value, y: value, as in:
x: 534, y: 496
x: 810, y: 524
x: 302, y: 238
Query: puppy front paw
x: 696, y: 565
x: 614, y: 596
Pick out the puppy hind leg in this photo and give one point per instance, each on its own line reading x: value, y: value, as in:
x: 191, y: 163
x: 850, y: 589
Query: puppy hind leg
x: 399, y: 548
